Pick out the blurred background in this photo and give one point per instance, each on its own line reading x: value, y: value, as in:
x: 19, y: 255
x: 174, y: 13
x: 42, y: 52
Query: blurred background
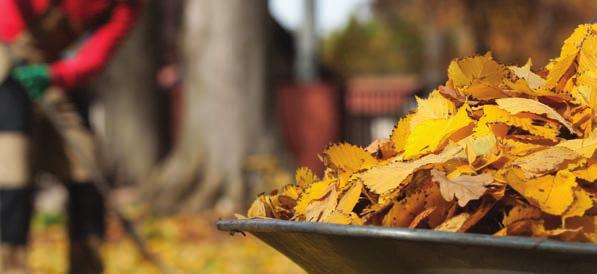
x: 211, y: 102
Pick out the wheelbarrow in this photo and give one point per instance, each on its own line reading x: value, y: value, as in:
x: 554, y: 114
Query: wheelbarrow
x: 331, y: 248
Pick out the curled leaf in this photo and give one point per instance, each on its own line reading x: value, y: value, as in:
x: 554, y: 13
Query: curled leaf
x: 464, y: 187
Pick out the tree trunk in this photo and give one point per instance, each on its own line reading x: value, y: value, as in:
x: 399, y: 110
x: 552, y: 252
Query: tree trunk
x: 225, y: 80
x: 129, y: 107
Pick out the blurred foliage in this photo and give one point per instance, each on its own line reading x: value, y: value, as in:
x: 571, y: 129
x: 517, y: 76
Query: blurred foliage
x: 188, y: 244
x: 515, y: 30
x: 512, y: 29
x: 375, y: 46
x: 396, y: 37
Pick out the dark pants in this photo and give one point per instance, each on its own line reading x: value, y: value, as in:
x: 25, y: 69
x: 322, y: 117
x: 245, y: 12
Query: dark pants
x: 20, y: 150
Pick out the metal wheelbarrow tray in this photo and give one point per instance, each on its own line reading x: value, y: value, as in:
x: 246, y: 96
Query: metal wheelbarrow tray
x: 331, y: 248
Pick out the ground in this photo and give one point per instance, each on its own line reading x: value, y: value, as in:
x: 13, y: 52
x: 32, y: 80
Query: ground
x: 190, y: 244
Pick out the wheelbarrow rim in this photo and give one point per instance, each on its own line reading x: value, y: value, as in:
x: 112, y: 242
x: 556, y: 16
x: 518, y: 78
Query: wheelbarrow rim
x: 405, y: 234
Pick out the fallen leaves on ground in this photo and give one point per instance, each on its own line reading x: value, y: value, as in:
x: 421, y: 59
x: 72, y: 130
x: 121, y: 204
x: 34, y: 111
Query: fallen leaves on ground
x: 185, y: 243
x: 498, y: 150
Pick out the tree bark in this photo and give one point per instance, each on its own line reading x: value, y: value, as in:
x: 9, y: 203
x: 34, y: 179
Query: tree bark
x: 225, y: 81
x: 130, y: 108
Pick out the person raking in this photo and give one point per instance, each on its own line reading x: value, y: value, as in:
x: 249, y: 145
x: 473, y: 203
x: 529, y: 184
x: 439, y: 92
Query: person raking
x: 65, y: 44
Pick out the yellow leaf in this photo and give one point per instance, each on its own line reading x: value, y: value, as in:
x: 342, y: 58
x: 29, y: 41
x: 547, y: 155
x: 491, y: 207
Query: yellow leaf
x: 573, y: 43
x: 290, y: 191
x: 400, y: 133
x: 350, y: 198
x: 588, y: 55
x: 431, y: 135
x: 518, y: 105
x: 553, y: 194
x: 545, y: 161
x: 346, y: 159
x: 582, y: 202
x: 533, y: 80
x: 518, y: 148
x: 464, y: 188
x: 587, y: 78
x: 521, y: 86
x: 493, y: 115
x: 381, y: 149
x: 558, y: 69
x: 313, y: 192
x: 480, y: 146
x: 382, y: 179
x: 585, y: 95
x: 585, y: 147
x: 257, y: 209
x: 305, y: 177
x: 338, y: 217
x: 461, y: 170
x: 319, y: 209
x: 483, y: 90
x: 434, y: 107
x: 588, y: 174
x: 464, y: 71
x: 582, y: 118
x: 568, y: 55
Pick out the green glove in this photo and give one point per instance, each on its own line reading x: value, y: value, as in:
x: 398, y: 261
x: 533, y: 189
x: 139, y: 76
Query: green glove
x: 34, y: 78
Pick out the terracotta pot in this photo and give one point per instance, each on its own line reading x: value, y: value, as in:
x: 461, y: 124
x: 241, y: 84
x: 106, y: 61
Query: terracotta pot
x: 310, y: 116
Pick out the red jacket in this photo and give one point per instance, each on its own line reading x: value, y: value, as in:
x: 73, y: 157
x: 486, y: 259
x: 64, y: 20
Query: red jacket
x: 94, y: 53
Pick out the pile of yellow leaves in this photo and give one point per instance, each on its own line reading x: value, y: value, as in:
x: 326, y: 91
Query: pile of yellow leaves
x: 498, y: 150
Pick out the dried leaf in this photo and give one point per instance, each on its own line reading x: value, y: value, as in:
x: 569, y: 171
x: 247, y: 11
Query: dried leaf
x: 464, y: 187
x: 494, y: 115
x: 419, y: 218
x: 518, y: 105
x: 582, y: 202
x: 588, y: 174
x: 533, y: 80
x: 257, y: 209
x: 405, y: 211
x: 313, y: 192
x: 521, y: 212
x: 454, y: 224
x: 350, y: 198
x: 585, y: 147
x: 421, y: 142
x: 400, y: 134
x: 338, y: 217
x: 559, y: 69
x: 545, y: 161
x: 305, y: 177
x: 483, y: 90
x: 347, y: 157
x: 462, y: 72
x: 382, y: 149
x: 432, y: 108
x: 553, y: 194
x: 322, y: 208
x: 382, y: 179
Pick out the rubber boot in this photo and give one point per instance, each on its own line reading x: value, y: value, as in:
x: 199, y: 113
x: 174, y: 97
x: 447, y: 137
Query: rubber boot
x: 87, y: 225
x: 15, y: 217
